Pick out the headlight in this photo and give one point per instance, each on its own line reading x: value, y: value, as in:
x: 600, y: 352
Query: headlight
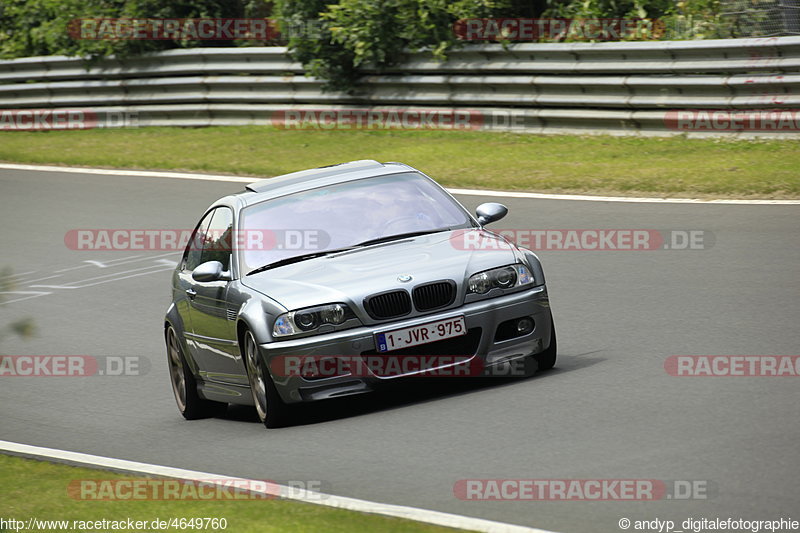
x: 507, y: 277
x: 311, y: 318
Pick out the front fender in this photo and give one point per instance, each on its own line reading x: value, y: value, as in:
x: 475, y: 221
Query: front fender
x: 532, y: 260
x: 258, y: 314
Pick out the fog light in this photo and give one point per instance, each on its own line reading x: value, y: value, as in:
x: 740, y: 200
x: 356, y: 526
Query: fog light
x: 524, y: 326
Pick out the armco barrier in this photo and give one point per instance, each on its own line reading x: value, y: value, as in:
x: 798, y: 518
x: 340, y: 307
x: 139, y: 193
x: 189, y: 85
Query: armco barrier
x: 616, y: 88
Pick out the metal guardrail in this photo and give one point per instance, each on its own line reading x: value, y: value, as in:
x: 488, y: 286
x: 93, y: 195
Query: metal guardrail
x: 618, y: 88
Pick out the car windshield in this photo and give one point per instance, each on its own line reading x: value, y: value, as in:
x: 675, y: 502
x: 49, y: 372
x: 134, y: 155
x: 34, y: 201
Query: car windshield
x: 344, y: 215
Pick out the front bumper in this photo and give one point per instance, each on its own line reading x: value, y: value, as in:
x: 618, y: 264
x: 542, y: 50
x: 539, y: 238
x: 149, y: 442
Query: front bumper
x: 484, y: 314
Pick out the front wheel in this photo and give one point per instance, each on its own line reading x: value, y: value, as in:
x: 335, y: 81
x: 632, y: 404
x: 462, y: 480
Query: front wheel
x: 547, y: 359
x: 184, y: 384
x: 270, y: 408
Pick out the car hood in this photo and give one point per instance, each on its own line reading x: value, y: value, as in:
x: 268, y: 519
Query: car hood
x: 351, y: 276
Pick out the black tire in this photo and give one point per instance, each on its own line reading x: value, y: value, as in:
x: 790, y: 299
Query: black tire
x: 271, y: 410
x: 547, y: 359
x: 184, y: 384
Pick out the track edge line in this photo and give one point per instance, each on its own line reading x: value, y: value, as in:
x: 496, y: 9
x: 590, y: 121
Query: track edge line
x: 340, y: 502
x: 467, y: 192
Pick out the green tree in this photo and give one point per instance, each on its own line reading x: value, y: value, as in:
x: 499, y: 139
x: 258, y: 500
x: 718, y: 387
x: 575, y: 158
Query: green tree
x: 333, y: 39
x: 608, y: 8
x: 687, y: 19
x: 41, y: 27
x: 353, y: 33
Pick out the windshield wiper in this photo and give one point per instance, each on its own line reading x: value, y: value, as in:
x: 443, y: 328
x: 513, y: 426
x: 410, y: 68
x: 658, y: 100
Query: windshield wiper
x: 298, y: 258
x: 401, y: 236
x: 312, y: 255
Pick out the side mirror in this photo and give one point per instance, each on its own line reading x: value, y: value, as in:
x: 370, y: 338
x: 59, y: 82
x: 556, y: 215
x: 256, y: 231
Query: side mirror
x: 490, y: 212
x: 210, y: 271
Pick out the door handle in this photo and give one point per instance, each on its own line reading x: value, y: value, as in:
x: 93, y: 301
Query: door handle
x: 192, y: 293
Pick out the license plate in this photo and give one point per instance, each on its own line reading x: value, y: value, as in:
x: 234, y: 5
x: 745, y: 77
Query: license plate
x: 422, y: 334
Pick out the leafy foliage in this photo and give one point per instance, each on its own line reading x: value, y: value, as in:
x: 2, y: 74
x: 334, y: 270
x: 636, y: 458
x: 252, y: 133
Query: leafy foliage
x: 697, y: 19
x: 40, y: 27
x: 608, y: 8
x: 333, y: 39
x: 685, y: 19
x: 353, y: 33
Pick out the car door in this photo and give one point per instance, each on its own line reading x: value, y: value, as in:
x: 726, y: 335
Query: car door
x: 213, y: 337
x: 183, y: 284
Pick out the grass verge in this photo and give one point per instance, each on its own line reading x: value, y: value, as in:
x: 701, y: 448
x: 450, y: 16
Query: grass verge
x: 663, y: 167
x: 37, y: 489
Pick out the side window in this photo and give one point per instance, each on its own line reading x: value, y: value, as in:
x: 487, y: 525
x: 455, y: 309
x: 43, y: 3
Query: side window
x: 217, y: 246
x: 193, y: 252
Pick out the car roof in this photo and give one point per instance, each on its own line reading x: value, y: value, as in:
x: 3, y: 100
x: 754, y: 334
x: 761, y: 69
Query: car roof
x: 320, y: 177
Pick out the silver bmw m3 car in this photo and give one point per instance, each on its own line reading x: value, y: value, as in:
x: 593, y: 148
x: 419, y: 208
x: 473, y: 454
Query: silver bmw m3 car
x: 336, y: 280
